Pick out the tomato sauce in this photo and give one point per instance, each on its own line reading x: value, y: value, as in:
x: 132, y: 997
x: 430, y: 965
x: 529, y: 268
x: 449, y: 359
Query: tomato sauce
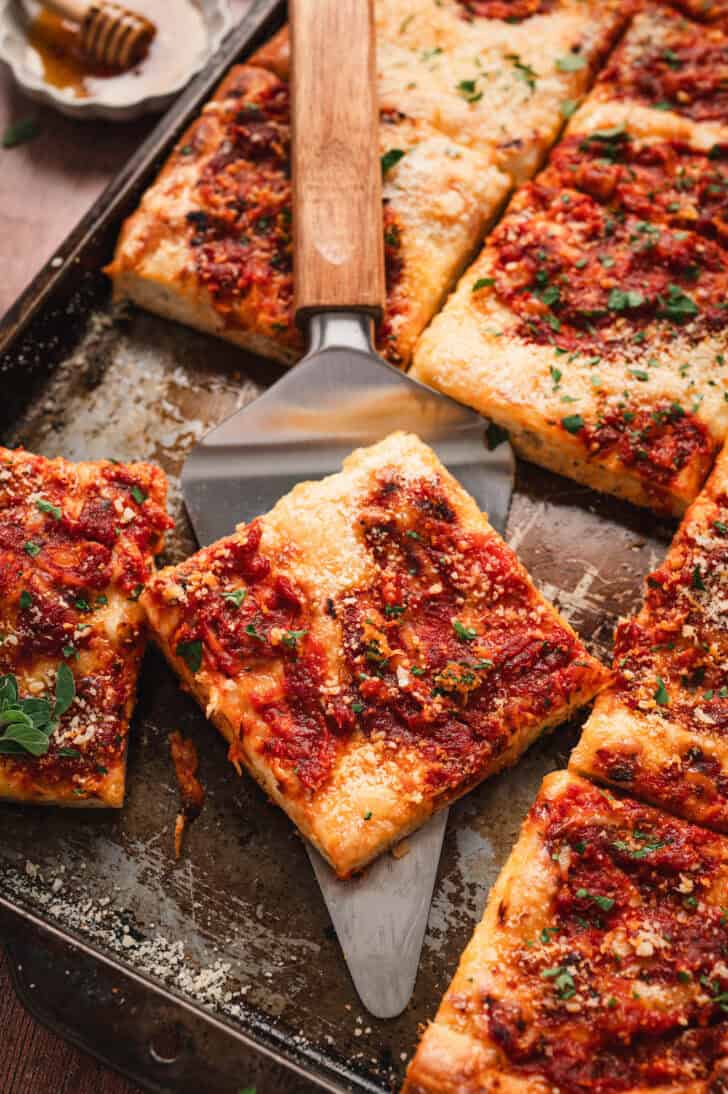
x: 682, y: 67
x: 241, y: 234
x: 633, y: 914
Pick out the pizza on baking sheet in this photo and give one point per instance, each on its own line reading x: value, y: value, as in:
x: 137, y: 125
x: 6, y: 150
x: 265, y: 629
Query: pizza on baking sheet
x: 211, y: 243
x: 370, y: 649
x: 600, y: 964
x: 77, y: 543
x: 497, y: 76
x: 659, y: 731
x: 604, y: 286
x: 669, y: 64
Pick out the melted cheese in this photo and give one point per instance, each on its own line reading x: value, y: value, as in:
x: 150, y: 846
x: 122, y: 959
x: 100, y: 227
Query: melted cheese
x: 338, y: 547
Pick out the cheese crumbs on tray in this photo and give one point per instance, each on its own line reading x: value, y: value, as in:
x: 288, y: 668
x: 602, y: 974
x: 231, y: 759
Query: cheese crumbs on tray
x: 370, y: 649
x: 77, y: 544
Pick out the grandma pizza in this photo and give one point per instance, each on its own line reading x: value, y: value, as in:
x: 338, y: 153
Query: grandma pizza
x: 601, y: 962
x: 77, y: 543
x: 668, y: 65
x: 659, y: 732
x: 605, y: 285
x: 370, y: 649
x: 497, y: 76
x: 211, y: 243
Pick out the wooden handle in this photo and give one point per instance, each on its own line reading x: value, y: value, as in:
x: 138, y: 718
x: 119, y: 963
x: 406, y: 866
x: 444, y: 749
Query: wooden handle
x: 337, y: 180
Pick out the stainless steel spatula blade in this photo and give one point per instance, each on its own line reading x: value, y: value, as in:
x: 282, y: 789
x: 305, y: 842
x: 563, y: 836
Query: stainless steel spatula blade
x: 342, y: 395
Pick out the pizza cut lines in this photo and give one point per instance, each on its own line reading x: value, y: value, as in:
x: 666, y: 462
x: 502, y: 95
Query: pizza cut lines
x: 668, y: 65
x: 77, y: 544
x: 604, y: 288
x: 370, y: 649
x: 211, y: 242
x: 494, y: 76
x: 659, y: 731
x: 600, y: 961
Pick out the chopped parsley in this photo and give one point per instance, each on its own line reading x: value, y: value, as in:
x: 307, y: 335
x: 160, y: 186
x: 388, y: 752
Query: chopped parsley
x: 563, y: 981
x: 388, y: 160
x: 31, y: 548
x: 661, y: 697
x: 696, y: 582
x: 291, y: 638
x: 621, y: 300
x: 469, y: 91
x: 523, y: 71
x: 606, y: 903
x: 26, y: 600
x: 572, y: 62
x: 138, y: 494
x: 191, y: 654
x: 482, y: 283
x: 573, y: 423
x: 47, y: 507
x: 235, y: 596
x: 465, y: 634
x: 677, y: 306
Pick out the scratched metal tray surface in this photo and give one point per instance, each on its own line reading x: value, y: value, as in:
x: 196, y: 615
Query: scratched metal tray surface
x: 237, y: 930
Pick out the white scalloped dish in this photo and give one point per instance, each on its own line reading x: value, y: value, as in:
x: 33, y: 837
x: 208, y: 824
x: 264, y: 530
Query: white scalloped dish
x: 188, y: 33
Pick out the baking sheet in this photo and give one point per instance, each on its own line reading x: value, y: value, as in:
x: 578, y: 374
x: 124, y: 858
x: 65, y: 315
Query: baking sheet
x: 239, y: 924
x: 239, y: 927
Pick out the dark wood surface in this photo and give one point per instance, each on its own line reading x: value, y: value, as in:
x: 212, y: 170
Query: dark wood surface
x: 45, y: 187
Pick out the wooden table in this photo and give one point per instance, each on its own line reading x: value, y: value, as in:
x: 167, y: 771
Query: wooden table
x: 45, y: 187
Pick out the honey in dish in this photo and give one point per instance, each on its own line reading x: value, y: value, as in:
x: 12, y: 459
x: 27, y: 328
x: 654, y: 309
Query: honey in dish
x: 55, y: 54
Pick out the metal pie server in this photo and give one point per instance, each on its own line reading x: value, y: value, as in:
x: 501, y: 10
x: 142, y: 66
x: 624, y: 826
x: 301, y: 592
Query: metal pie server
x: 340, y: 396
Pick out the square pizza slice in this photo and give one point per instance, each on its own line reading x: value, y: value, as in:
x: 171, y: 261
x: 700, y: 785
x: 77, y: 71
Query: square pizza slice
x: 660, y: 730
x: 370, y: 649
x: 496, y: 75
x: 668, y: 64
x: 77, y: 545
x: 211, y: 244
x: 492, y: 81
x: 604, y: 289
x: 600, y: 961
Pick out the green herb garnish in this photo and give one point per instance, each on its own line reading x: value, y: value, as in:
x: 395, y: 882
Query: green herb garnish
x: 388, y: 160
x: 28, y: 723
x: 235, y: 596
x: 191, y: 654
x: 48, y: 507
